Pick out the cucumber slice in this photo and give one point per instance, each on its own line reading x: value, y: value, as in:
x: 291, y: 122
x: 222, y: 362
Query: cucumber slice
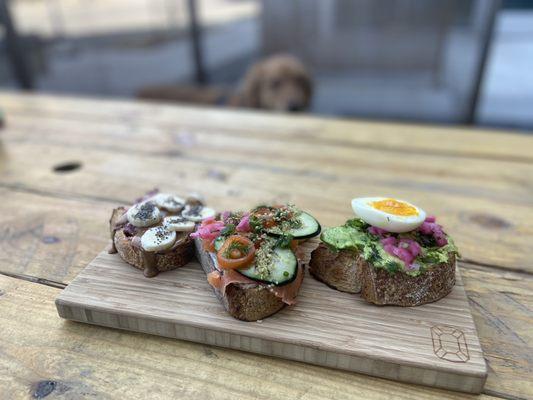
x: 283, y: 270
x: 219, y: 241
x: 308, y: 229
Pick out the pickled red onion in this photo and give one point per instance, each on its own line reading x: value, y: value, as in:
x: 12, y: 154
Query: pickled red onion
x: 244, y: 224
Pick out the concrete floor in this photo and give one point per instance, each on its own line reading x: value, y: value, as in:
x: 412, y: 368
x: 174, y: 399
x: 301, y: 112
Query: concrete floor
x: 507, y: 98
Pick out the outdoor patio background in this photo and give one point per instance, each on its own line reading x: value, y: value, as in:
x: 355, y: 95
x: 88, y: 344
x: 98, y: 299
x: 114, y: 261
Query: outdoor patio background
x: 84, y: 47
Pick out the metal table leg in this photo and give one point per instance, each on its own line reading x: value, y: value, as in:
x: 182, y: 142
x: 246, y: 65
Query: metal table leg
x: 482, y: 62
x: 200, y: 74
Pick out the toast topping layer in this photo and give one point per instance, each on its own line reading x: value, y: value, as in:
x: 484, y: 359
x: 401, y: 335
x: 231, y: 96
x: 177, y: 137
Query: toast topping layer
x: 411, y: 253
x: 258, y: 247
x: 220, y: 280
x: 157, y: 223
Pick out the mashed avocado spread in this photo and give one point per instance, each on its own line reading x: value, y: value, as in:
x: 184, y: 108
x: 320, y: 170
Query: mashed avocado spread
x: 355, y: 235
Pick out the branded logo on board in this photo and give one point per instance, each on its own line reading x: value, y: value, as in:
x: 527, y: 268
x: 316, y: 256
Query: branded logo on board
x: 449, y: 343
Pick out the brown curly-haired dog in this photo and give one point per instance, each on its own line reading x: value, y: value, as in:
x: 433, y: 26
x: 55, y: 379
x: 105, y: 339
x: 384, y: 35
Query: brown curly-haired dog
x: 278, y: 83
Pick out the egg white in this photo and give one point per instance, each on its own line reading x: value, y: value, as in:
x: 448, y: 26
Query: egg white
x: 362, y: 207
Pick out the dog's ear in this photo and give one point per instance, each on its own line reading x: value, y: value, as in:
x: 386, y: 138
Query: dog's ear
x: 251, y: 88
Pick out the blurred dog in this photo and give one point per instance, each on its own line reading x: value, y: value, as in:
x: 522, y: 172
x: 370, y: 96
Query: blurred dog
x: 278, y: 83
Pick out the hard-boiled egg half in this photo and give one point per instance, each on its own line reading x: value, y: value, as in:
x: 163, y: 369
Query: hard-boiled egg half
x: 393, y: 215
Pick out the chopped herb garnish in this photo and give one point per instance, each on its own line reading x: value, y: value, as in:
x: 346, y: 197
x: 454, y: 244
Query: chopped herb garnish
x: 256, y: 224
x: 240, y: 247
x: 284, y: 240
x: 228, y: 230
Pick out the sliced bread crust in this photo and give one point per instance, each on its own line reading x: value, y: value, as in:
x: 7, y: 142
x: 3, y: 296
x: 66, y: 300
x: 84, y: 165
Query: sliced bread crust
x: 176, y: 258
x: 247, y: 302
x: 133, y: 255
x: 384, y: 288
x: 347, y: 271
x: 336, y: 269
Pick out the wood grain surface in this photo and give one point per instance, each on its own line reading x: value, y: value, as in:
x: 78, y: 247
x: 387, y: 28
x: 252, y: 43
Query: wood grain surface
x: 479, y: 183
x: 88, y: 361
x: 434, y: 344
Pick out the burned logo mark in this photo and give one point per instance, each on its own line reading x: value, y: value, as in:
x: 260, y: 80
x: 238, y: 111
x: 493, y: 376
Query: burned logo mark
x: 449, y: 344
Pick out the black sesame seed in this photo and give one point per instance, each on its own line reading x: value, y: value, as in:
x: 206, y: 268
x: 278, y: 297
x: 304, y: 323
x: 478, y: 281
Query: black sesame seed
x: 194, y: 211
x: 146, y: 210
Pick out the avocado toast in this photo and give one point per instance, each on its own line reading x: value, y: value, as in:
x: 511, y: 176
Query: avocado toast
x: 407, y: 260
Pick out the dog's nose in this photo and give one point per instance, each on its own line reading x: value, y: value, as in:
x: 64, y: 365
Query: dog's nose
x: 294, y: 107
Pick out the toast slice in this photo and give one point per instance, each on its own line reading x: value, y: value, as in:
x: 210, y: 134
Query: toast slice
x: 254, y: 261
x: 348, y: 271
x: 247, y: 301
x: 339, y: 270
x: 381, y: 287
x: 126, y: 242
x: 406, y: 268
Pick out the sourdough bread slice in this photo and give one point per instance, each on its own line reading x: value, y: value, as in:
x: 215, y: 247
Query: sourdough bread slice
x: 336, y: 269
x: 244, y: 301
x: 381, y: 287
x: 134, y: 255
x: 347, y: 271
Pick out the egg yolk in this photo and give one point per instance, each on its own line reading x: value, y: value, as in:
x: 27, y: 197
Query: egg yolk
x: 395, y: 207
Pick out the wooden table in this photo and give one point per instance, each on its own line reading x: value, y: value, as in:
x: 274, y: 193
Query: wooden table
x: 54, y: 221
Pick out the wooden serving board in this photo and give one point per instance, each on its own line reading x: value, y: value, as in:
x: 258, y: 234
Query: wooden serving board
x: 434, y: 344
